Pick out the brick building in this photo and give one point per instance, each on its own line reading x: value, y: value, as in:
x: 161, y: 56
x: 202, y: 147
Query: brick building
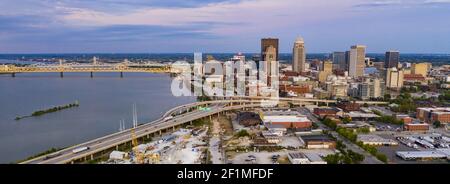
x: 349, y: 106
x: 431, y: 115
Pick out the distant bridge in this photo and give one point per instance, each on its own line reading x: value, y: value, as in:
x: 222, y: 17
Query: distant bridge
x: 94, y: 67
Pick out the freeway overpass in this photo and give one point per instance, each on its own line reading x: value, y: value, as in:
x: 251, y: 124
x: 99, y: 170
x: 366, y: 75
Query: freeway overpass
x: 181, y: 115
x: 156, y: 127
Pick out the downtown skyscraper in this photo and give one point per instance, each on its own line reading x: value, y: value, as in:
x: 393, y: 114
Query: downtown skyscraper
x: 392, y: 59
x: 269, y: 53
x: 357, y: 63
x: 340, y: 60
x: 299, y: 55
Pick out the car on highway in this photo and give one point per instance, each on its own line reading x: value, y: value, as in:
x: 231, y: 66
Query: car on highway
x: 50, y: 156
x: 168, y: 118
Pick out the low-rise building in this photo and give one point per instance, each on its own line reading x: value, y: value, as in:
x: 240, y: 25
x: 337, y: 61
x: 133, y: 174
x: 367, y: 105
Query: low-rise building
x: 279, y: 130
x: 326, y: 111
x: 348, y: 106
x: 431, y: 115
x: 318, y: 142
x: 361, y: 116
x: 117, y: 155
x: 288, y: 119
x: 357, y: 125
x: 416, y: 127
x: 305, y: 158
x: 424, y: 155
x: 403, y: 117
x: 271, y: 137
x: 414, y: 78
x: 298, y: 158
x: 376, y: 140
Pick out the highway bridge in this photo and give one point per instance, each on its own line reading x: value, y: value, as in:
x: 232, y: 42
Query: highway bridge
x: 182, y: 115
x: 95, y: 67
x: 103, y: 145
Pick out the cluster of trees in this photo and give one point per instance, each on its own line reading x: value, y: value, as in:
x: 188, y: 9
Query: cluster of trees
x: 445, y: 97
x: 373, y: 151
x: 329, y: 123
x: 347, y: 133
x: 405, y: 103
x: 437, y: 124
x: 351, y: 136
x: 54, y: 109
x: 201, y: 122
x: 203, y: 98
x: 389, y: 119
x: 344, y: 157
x: 242, y: 133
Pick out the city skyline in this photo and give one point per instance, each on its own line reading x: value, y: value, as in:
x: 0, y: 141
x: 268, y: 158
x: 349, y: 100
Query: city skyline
x: 224, y: 26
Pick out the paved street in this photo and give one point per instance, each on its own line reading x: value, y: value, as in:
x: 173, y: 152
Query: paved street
x: 369, y: 159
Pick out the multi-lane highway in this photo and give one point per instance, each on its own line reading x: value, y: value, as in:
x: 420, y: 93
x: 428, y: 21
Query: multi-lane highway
x: 368, y: 158
x: 181, y: 115
x: 110, y: 141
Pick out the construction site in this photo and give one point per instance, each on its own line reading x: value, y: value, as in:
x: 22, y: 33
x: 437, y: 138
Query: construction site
x: 185, y: 146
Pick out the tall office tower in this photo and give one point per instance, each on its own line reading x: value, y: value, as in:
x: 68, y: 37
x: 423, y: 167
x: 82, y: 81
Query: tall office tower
x: 357, y: 61
x: 269, y: 53
x: 420, y: 68
x: 392, y: 59
x: 347, y: 60
x: 394, y: 78
x: 371, y: 88
x: 339, y: 60
x: 265, y: 44
x: 364, y: 90
x: 326, y: 70
x: 327, y: 66
x: 376, y: 88
x: 299, y: 55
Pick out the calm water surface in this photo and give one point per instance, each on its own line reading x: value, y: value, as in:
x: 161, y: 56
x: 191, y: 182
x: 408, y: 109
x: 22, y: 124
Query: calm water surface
x: 104, y: 101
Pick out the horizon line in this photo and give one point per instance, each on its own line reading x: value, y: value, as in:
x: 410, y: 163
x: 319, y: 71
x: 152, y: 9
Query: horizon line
x: 90, y: 53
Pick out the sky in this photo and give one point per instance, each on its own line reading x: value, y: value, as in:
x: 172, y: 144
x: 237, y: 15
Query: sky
x: 223, y: 26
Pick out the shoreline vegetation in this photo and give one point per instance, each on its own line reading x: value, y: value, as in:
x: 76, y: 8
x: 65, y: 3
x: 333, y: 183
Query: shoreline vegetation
x: 50, y: 110
x: 49, y: 151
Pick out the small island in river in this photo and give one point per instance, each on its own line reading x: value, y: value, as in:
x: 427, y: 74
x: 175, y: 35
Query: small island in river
x: 50, y: 110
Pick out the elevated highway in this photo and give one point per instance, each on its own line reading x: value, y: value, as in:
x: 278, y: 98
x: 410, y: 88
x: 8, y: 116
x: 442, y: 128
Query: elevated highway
x: 157, y: 127
x: 181, y: 115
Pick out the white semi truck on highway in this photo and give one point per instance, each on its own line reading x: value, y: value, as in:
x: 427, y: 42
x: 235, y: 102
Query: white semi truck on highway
x: 81, y: 149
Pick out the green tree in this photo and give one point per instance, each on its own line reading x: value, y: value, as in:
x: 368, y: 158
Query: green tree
x: 382, y: 157
x: 242, y: 133
x: 333, y: 159
x: 347, y: 120
x: 437, y: 124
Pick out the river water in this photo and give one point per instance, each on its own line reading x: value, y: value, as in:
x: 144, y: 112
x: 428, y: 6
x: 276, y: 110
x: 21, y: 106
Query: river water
x: 104, y: 101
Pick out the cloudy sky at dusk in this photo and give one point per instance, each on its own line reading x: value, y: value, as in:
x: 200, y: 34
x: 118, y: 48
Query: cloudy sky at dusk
x: 154, y: 26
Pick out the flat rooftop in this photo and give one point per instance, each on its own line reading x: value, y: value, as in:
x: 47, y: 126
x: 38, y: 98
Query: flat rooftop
x: 439, y: 153
x: 316, y: 138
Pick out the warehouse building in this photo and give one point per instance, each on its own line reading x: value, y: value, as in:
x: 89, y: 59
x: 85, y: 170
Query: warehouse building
x: 424, y: 155
x: 288, y: 119
x: 318, y: 142
x: 376, y: 140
